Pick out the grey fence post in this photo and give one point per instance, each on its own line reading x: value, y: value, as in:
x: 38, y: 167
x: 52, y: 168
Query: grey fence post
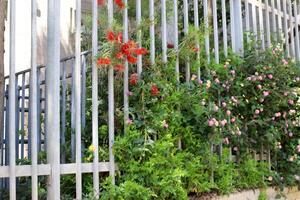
x: 95, y: 137
x: 33, y: 102
x: 52, y: 99
x: 237, y: 26
x: 12, y: 103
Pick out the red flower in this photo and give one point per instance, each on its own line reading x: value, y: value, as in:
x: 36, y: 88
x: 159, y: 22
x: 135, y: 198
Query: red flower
x: 170, y: 46
x: 141, y: 51
x: 154, y: 90
x: 119, y: 55
x: 110, y: 36
x: 103, y: 61
x: 101, y: 2
x: 120, y: 4
x: 119, y: 67
x: 133, y: 79
x: 119, y: 38
x: 131, y: 59
x: 125, y: 49
x: 195, y: 49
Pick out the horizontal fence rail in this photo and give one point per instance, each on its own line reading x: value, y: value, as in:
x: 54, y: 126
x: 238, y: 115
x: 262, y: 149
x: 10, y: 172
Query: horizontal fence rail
x: 45, y: 106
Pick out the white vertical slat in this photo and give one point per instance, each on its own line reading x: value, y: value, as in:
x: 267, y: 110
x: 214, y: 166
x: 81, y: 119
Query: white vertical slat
x: 33, y: 103
x: 291, y: 29
x: 186, y: 29
x: 224, y: 27
x: 254, y: 22
x: 236, y: 19
x: 12, y: 102
x: 268, y: 31
x: 95, y: 136
x: 247, y: 20
x: 52, y: 97
x: 285, y: 24
x: 164, y: 30
x: 139, y: 34
x: 206, y: 25
x: 261, y: 25
x: 232, y: 25
x: 126, y: 88
x: 77, y: 74
x: 296, y: 31
x: 175, y: 8
x: 152, y: 31
x: 111, y: 103
x: 216, y: 31
x: 196, y: 24
x: 274, y: 27
x: 279, y: 21
x: 239, y: 26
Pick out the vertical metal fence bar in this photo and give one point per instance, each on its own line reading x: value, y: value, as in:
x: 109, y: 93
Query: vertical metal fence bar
x: 33, y: 102
x: 139, y: 34
x: 22, y: 113
x: 175, y: 10
x: 12, y: 104
x: 73, y: 113
x: 216, y: 31
x: 63, y: 112
x: 6, y: 160
x: 152, y: 31
x: 285, y: 25
x: 196, y: 24
x: 152, y: 50
x: 254, y: 23
x: 247, y: 20
x: 95, y: 98
x: 186, y: 30
x: 291, y: 29
x: 52, y: 97
x: 206, y: 26
x: 77, y: 78
x: 164, y: 31
x: 261, y: 25
x: 18, y: 100
x: 224, y: 27
x: 296, y: 31
x: 83, y: 90
x: 268, y: 33
x: 39, y: 110
x: 111, y: 102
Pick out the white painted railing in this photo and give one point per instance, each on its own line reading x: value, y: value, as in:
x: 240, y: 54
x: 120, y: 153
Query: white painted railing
x: 279, y: 20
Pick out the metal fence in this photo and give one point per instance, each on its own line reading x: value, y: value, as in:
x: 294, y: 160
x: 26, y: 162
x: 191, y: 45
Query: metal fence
x: 37, y: 100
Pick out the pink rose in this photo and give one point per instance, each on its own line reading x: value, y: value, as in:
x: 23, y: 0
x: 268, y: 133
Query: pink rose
x: 270, y: 76
x: 223, y: 122
x: 266, y: 93
x: 232, y: 120
x: 259, y: 87
x: 228, y: 112
x: 257, y: 112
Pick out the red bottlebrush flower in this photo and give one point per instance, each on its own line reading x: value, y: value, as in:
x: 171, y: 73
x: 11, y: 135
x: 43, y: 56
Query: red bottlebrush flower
x: 154, y: 90
x: 101, y: 2
x: 119, y: 55
x: 119, y: 67
x: 125, y: 49
x: 141, y: 51
x: 119, y: 38
x: 120, y: 4
x: 103, y: 61
x: 131, y: 59
x: 110, y: 36
x: 133, y: 79
x: 170, y: 46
